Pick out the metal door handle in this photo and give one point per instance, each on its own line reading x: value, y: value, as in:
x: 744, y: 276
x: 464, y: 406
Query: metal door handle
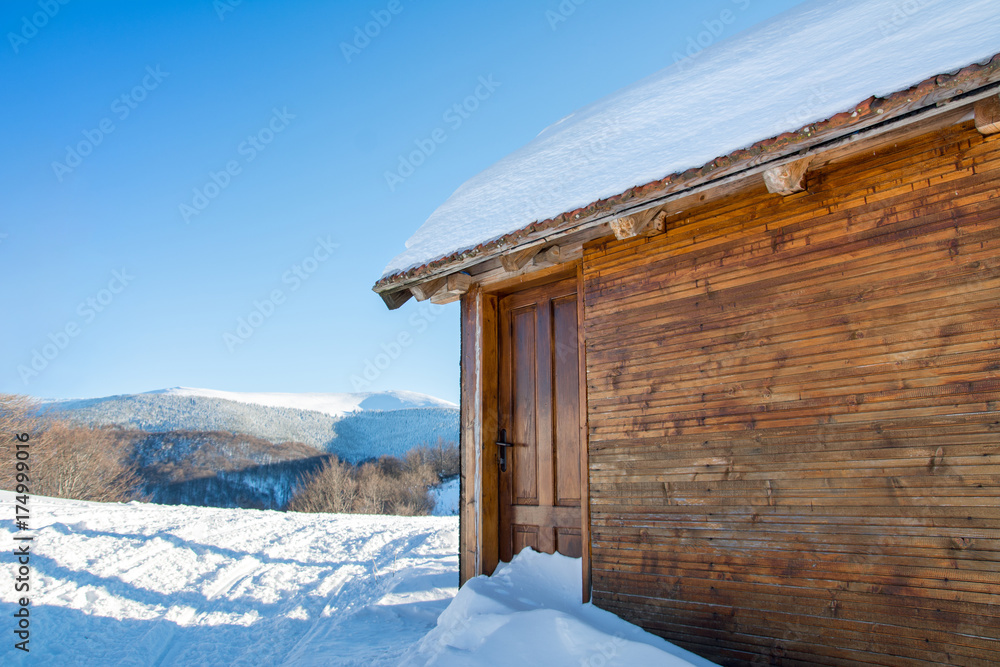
x: 503, y: 445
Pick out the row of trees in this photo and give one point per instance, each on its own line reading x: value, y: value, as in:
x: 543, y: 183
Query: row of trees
x: 388, y: 485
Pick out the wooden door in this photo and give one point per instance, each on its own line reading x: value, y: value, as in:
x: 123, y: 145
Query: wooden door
x: 539, y: 401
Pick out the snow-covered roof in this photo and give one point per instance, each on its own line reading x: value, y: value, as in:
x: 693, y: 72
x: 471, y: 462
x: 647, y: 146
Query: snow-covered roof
x: 816, y: 60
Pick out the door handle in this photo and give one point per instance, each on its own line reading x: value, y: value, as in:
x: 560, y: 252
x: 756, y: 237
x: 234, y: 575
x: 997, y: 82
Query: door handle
x: 503, y: 445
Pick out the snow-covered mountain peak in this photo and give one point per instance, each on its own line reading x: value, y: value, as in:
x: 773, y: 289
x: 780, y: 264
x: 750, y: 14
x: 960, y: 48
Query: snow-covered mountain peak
x: 332, y: 404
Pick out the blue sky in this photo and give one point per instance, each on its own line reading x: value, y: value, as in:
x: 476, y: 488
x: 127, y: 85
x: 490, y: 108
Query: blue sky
x: 194, y: 192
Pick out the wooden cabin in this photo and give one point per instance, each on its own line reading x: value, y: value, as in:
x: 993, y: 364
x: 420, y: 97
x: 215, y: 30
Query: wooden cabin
x: 758, y: 396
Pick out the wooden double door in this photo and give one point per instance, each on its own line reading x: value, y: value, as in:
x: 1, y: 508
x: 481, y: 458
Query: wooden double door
x: 541, y: 478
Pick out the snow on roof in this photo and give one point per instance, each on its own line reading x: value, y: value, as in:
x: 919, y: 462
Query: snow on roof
x: 808, y: 64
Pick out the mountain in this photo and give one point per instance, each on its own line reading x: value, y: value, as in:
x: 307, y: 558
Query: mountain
x: 355, y: 427
x: 335, y: 405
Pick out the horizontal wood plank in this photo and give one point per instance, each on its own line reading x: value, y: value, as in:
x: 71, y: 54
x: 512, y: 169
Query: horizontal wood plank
x: 794, y: 451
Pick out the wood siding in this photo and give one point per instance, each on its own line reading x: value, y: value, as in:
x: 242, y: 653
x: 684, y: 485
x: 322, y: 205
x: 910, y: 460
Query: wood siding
x: 794, y: 441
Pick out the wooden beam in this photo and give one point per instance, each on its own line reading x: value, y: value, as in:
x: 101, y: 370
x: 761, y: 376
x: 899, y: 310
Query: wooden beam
x: 788, y: 178
x: 395, y: 299
x: 558, y: 255
x: 658, y: 225
x: 548, y: 257
x: 443, y: 298
x: 646, y: 223
x: 425, y: 290
x: 518, y: 259
x: 988, y: 115
x: 455, y: 286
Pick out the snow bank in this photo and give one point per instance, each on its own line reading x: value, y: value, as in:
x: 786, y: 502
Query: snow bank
x: 529, y: 613
x: 806, y: 65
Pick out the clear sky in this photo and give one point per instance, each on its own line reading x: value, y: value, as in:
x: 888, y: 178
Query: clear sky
x: 194, y: 192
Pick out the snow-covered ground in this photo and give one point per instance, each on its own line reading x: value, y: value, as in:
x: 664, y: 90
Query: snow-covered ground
x: 445, y: 497
x: 141, y: 584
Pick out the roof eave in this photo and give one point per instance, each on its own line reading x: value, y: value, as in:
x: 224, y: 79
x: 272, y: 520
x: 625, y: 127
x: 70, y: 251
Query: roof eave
x: 964, y: 85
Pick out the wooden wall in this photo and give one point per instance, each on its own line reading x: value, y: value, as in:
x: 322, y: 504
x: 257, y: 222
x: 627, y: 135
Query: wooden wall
x: 794, y: 435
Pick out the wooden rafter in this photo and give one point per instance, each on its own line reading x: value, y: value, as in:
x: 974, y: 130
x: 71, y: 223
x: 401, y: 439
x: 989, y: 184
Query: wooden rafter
x: 518, y: 259
x: 549, y: 257
x: 455, y: 286
x: 988, y: 115
x: 788, y: 178
x: 558, y: 255
x: 394, y: 300
x: 425, y: 290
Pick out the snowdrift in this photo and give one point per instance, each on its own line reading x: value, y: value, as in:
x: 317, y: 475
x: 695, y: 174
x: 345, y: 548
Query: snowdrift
x: 529, y: 613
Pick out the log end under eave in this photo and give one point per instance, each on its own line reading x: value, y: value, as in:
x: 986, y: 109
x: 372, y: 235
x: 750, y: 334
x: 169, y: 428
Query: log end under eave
x: 988, y: 115
x: 425, y: 290
x: 454, y: 287
x: 646, y: 223
x: 787, y: 179
x: 394, y: 300
x: 514, y: 261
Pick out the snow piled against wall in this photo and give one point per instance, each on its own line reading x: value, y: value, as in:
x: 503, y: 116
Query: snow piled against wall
x: 529, y: 613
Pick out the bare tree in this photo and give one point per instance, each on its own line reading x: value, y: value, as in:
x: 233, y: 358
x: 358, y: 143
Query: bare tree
x: 442, y: 457
x: 18, y: 415
x: 331, y: 488
x: 84, y: 463
x: 66, y: 461
x: 385, y: 486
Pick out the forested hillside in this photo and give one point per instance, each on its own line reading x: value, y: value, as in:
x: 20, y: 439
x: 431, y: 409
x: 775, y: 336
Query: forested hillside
x: 353, y: 436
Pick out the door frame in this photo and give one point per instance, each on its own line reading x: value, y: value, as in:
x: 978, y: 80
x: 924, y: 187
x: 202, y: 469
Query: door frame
x: 479, y: 515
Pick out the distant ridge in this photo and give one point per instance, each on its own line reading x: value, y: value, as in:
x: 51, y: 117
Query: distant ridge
x: 355, y: 427
x: 332, y: 404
